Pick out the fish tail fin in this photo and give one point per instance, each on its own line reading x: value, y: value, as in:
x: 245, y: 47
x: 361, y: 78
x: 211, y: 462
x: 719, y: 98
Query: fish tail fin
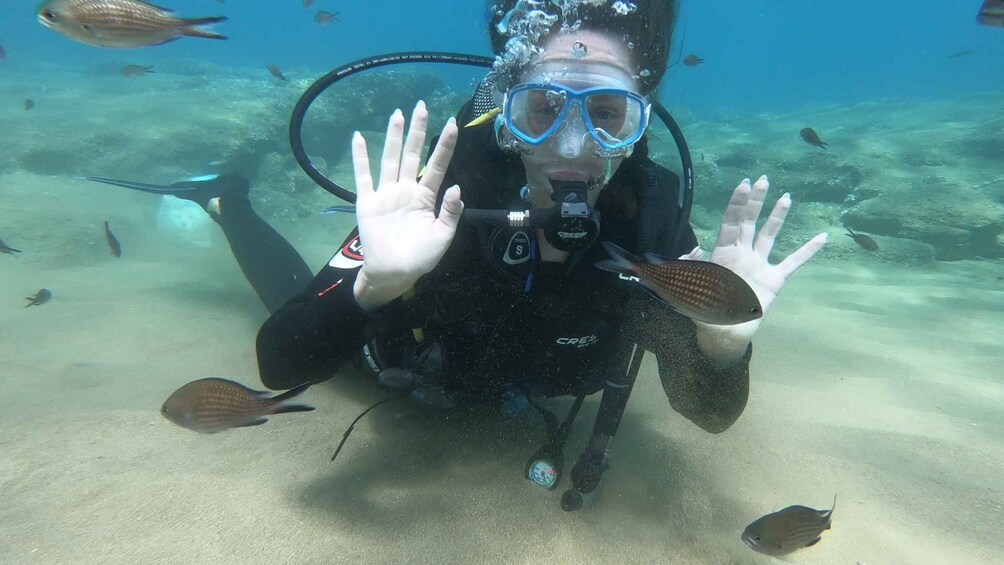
x: 191, y: 27
x: 620, y: 261
x: 655, y: 259
x: 294, y: 408
x: 291, y: 393
x: 257, y: 422
x: 277, y: 400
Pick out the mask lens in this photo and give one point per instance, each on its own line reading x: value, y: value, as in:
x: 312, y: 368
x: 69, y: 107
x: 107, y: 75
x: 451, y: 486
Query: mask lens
x: 534, y: 112
x: 615, y: 119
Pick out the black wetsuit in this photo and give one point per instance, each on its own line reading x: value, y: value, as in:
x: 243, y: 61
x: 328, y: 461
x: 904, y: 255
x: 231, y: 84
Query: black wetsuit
x: 504, y: 317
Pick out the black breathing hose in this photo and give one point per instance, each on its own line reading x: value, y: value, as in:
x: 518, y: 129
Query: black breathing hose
x: 322, y: 84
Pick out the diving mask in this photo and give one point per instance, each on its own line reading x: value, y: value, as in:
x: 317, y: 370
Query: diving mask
x: 614, y: 118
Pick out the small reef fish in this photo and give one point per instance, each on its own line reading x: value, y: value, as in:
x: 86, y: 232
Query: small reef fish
x: 3, y: 54
x: 4, y: 248
x: 28, y: 104
x: 788, y: 530
x: 213, y: 405
x: 120, y: 24
x: 324, y: 17
x: 308, y: 3
x: 700, y: 290
x: 866, y: 243
x: 113, y: 242
x: 40, y: 298
x: 276, y: 72
x: 991, y: 13
x: 810, y: 136
x: 692, y: 60
x: 958, y: 54
x: 133, y: 71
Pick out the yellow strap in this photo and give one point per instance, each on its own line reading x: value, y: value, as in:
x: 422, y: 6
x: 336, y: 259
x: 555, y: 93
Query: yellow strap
x: 486, y: 117
x: 418, y: 334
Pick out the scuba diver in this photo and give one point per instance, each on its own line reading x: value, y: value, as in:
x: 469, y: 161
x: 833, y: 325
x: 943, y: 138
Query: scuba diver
x: 452, y: 310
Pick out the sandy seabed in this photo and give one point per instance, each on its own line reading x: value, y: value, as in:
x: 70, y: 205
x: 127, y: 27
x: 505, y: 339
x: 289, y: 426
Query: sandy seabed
x: 877, y: 382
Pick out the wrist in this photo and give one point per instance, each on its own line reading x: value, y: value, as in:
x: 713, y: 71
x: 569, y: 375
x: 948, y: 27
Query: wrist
x: 370, y: 296
x: 725, y: 345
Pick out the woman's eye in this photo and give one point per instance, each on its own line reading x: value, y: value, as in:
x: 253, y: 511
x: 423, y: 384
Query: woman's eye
x: 604, y: 114
x: 545, y: 110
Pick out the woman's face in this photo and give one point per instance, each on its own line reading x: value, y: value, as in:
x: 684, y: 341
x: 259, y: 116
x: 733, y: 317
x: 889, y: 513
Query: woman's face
x: 578, y: 60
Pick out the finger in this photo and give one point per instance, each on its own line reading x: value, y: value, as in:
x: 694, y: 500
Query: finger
x: 435, y: 171
x: 414, y: 143
x: 792, y: 262
x: 770, y: 229
x: 697, y: 254
x: 361, y: 165
x: 452, y: 208
x: 728, y: 234
x: 390, y: 165
x: 751, y: 212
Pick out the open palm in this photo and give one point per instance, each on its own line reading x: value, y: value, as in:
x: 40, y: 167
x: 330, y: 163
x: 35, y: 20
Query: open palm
x: 401, y: 235
x: 746, y: 256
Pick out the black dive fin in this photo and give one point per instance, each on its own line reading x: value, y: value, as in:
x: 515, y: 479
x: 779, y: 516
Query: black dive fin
x: 171, y: 189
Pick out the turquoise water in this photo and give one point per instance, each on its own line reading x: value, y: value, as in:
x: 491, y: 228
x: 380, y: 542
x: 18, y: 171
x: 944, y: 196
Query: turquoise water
x: 759, y: 55
x: 876, y: 376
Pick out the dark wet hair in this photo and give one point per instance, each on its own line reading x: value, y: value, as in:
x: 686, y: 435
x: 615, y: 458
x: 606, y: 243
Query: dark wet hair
x: 649, y: 26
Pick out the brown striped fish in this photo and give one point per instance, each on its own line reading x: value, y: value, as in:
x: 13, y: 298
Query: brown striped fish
x: 120, y: 24
x: 700, y: 290
x: 810, y: 136
x: 324, y: 17
x: 991, y: 13
x: 41, y: 297
x: 133, y: 71
x: 213, y: 405
x: 4, y: 248
x: 866, y: 243
x: 113, y: 242
x: 276, y: 72
x: 692, y: 60
x: 788, y: 530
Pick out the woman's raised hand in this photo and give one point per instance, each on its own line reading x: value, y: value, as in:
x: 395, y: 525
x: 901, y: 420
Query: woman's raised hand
x: 401, y: 235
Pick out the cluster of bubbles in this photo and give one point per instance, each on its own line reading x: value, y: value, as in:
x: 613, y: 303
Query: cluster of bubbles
x: 624, y: 8
x: 529, y: 20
